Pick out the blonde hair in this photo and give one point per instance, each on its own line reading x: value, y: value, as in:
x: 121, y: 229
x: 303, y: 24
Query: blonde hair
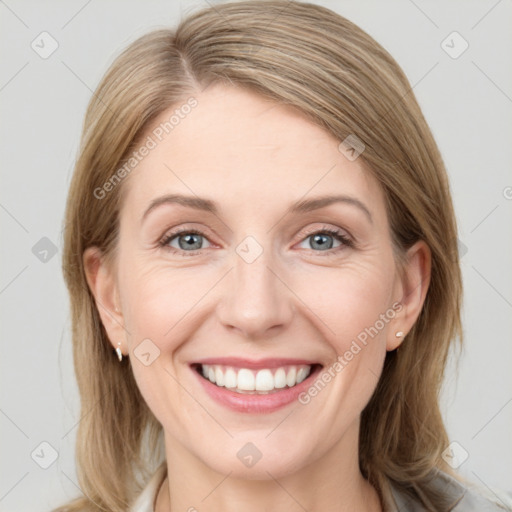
x: 313, y: 59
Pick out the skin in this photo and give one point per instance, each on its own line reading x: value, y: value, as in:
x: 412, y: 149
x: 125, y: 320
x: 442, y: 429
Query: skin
x: 254, y: 158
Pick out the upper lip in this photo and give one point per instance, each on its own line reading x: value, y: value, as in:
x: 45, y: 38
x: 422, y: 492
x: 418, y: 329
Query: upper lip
x: 240, y: 362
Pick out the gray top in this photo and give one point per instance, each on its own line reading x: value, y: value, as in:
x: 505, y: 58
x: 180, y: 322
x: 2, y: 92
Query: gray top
x: 468, y: 497
x: 471, y: 497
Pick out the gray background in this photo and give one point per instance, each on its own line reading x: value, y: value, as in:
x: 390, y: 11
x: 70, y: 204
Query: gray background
x: 466, y: 100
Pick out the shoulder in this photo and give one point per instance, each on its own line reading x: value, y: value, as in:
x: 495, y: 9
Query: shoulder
x: 475, y: 497
x: 465, y: 496
x: 145, y: 501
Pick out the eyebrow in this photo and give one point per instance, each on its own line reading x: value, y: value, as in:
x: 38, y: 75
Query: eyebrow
x: 304, y: 206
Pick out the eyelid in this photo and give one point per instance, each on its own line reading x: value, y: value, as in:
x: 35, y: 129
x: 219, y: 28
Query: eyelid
x: 336, y: 232
x: 342, y: 235
x: 325, y: 227
x: 182, y: 230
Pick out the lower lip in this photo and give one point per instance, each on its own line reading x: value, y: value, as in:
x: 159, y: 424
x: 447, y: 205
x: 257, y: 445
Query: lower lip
x: 256, y: 403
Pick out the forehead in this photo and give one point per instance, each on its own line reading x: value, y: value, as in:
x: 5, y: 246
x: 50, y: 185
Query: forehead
x: 241, y: 149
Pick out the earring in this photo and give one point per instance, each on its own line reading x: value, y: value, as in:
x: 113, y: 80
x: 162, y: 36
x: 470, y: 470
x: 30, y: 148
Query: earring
x: 398, y: 334
x: 119, y: 353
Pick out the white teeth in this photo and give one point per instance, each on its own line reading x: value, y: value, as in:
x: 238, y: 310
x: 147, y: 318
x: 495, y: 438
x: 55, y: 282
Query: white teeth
x: 219, y: 377
x: 230, y: 378
x: 291, y: 377
x: 301, y: 375
x: 280, y: 378
x: 245, y: 380
x: 262, y: 381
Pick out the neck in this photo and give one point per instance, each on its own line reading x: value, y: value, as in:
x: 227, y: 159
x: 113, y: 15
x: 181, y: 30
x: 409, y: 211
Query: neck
x: 331, y: 482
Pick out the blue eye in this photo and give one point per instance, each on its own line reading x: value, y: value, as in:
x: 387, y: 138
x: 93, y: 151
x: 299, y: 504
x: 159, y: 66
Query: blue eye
x: 190, y: 241
x: 321, y: 239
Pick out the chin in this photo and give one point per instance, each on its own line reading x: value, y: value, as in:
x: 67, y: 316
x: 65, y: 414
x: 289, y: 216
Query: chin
x: 259, y: 459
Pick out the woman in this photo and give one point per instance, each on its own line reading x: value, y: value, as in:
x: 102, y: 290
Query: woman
x: 260, y: 250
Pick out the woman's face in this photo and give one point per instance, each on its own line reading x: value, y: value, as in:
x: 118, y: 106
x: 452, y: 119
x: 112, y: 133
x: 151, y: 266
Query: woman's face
x: 256, y: 292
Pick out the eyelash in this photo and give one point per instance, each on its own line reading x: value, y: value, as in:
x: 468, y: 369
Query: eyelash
x: 336, y: 233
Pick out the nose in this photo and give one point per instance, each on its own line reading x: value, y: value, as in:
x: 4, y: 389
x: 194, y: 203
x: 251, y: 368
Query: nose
x: 256, y: 301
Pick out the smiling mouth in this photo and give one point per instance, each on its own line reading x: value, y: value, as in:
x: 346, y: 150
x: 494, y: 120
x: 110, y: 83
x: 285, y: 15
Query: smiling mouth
x: 263, y: 381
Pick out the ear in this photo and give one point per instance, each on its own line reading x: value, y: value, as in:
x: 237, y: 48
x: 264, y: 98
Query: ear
x: 413, y: 287
x: 103, y: 285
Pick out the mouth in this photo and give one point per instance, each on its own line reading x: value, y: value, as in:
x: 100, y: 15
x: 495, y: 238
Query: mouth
x: 263, y: 380
x: 250, y: 386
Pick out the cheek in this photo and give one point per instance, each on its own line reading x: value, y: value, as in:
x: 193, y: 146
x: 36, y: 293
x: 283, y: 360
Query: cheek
x: 160, y: 303
x: 342, y: 302
x: 352, y: 308
x: 349, y: 300
x: 159, y: 299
